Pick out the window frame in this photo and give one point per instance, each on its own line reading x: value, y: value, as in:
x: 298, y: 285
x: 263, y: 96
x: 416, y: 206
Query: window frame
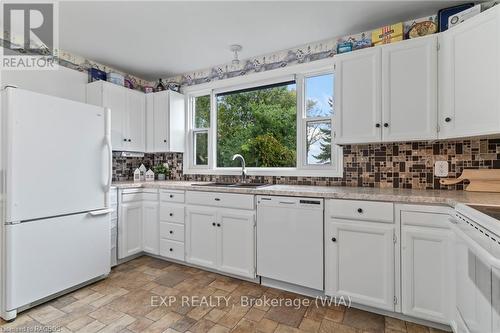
x: 298, y: 73
x: 303, y: 120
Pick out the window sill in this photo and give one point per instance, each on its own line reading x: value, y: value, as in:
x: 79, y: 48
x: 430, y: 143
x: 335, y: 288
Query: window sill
x: 277, y: 172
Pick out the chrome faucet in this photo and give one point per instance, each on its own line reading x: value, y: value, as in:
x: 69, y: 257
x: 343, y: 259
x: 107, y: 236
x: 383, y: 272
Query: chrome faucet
x: 243, y: 168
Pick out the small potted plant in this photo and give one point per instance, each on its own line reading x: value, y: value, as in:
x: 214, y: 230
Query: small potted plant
x: 162, y: 171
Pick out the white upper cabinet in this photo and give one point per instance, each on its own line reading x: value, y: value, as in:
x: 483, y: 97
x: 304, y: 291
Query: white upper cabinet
x: 136, y: 121
x: 127, y: 114
x: 387, y: 93
x: 165, y: 119
x: 409, y: 90
x: 357, y: 115
x: 469, y: 77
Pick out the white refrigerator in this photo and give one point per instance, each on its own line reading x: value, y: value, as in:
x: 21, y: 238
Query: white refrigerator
x: 55, y: 174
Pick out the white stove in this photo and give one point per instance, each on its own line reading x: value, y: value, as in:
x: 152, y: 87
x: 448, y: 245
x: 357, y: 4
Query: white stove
x: 477, y: 255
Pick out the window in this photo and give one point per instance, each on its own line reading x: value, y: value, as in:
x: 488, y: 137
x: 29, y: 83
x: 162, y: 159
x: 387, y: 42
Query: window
x: 260, y: 124
x: 318, y: 98
x: 282, y: 125
x: 201, y: 107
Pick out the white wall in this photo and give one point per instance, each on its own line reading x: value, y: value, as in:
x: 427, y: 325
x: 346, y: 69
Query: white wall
x: 63, y: 82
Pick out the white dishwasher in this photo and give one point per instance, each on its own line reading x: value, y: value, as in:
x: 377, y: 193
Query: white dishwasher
x: 290, y: 240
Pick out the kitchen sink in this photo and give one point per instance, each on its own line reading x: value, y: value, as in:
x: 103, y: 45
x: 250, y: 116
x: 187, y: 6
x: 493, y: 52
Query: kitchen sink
x: 237, y: 185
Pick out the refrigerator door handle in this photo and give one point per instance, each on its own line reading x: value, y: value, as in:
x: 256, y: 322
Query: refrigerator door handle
x: 101, y: 212
x: 107, y: 113
x: 110, y: 164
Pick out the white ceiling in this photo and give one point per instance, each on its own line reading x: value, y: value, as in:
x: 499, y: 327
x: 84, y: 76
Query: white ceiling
x: 165, y: 38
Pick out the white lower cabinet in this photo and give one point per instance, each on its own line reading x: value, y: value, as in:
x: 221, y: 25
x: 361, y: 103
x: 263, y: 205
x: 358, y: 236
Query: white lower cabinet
x: 138, y: 226
x: 236, y: 241
x: 426, y: 285
x: 201, y: 236
x: 359, y: 262
x: 150, y: 227
x: 130, y: 229
x: 221, y: 238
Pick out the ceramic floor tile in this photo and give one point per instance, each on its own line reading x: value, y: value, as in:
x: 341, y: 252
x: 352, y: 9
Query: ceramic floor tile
x: 79, y: 323
x: 245, y: 326
x: 140, y: 325
x: 91, y: 327
x: 286, y: 329
x: 364, y: 320
x: 106, y: 315
x: 45, y: 314
x: 218, y: 329
x: 395, y: 324
x: 416, y: 328
x: 328, y: 326
x: 171, y: 279
x: 266, y: 326
x: 255, y: 314
x: 214, y: 315
x: 202, y: 326
x: 310, y: 326
x: 184, y: 324
x: 289, y: 316
x: 123, y: 303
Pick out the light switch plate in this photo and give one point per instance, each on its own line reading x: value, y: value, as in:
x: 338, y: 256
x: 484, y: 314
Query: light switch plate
x: 441, y: 169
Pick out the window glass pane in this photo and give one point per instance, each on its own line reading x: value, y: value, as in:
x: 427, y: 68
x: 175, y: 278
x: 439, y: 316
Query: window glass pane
x: 319, y: 95
x: 201, y: 148
x: 260, y: 124
x: 319, y: 143
x: 202, y: 111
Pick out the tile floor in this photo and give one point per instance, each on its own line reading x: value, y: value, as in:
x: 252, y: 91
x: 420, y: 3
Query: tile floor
x: 134, y: 298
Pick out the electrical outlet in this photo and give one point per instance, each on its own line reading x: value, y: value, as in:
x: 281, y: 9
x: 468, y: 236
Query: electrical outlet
x: 441, y: 169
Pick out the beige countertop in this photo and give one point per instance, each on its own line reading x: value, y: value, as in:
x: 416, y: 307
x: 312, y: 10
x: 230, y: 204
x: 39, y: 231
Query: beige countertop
x: 443, y: 197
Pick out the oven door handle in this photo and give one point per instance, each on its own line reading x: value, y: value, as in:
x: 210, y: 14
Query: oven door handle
x: 476, y: 248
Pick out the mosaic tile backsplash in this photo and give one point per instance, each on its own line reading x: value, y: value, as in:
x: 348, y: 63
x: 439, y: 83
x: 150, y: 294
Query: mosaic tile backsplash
x: 392, y: 165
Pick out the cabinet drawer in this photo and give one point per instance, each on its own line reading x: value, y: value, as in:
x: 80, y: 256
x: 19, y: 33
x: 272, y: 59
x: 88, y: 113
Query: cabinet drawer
x: 131, y: 195
x: 172, y: 231
x: 229, y: 200
x: 172, y: 196
x: 172, y: 249
x: 360, y: 210
x: 172, y: 213
x: 425, y: 219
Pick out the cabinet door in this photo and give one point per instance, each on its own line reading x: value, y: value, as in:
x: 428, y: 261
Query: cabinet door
x: 236, y: 241
x: 136, y: 118
x: 426, y: 273
x: 150, y: 227
x: 469, y: 77
x: 357, y: 114
x: 161, y: 121
x: 114, y: 98
x: 409, y: 90
x: 130, y: 229
x: 176, y: 123
x: 150, y: 123
x: 359, y: 262
x: 201, y: 236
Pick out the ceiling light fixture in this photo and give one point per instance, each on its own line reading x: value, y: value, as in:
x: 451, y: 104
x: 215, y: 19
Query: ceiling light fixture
x: 235, y: 48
